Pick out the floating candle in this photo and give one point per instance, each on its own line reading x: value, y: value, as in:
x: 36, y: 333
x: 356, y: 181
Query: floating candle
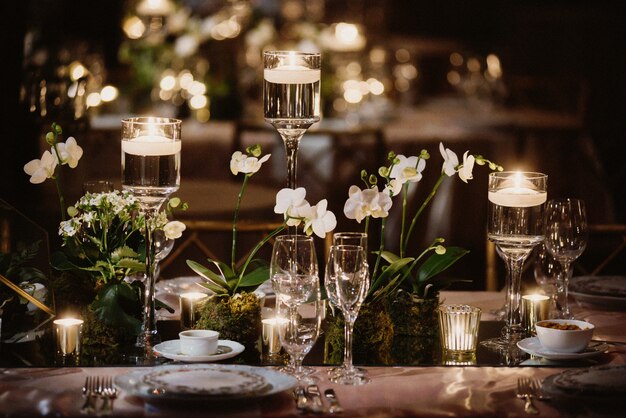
x: 292, y: 74
x: 151, y: 145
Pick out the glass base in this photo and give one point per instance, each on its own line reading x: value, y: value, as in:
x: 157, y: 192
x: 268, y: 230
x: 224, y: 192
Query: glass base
x: 338, y: 370
x: 353, y: 379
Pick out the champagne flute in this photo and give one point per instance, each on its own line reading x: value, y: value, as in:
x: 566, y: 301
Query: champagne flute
x: 301, y: 329
x: 347, y: 281
x: 516, y: 226
x: 151, y: 150
x: 294, y: 274
x: 566, y: 239
x: 291, y: 98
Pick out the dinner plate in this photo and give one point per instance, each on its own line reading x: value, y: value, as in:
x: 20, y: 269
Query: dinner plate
x: 592, y: 387
x: 203, y: 382
x: 605, y: 291
x: 533, y: 347
x: 225, y: 349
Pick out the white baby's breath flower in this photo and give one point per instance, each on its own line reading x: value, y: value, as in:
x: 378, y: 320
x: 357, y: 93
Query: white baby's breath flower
x: 450, y: 160
x: 408, y: 169
x: 465, y: 170
x: 319, y: 220
x: 368, y: 202
x: 174, y: 229
x: 40, y: 170
x: 69, y: 152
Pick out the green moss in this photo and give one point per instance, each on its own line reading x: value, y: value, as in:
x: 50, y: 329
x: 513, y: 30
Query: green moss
x: 236, y: 318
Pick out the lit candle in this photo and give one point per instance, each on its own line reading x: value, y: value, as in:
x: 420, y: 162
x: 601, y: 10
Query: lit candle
x: 151, y: 145
x: 271, y: 337
x: 155, y: 8
x: 459, y: 329
x: 534, y: 308
x: 189, y: 304
x: 68, y: 333
x: 290, y: 72
x: 520, y: 193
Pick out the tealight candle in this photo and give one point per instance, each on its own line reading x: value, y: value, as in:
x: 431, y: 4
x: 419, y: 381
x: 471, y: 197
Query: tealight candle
x: 519, y: 193
x: 271, y: 337
x: 534, y: 308
x: 292, y: 74
x: 68, y: 333
x: 459, y: 329
x: 189, y: 303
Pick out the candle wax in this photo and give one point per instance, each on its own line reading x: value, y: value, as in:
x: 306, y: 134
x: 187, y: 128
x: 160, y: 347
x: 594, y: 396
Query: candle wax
x: 521, y: 197
x: 151, y: 145
x: 292, y: 74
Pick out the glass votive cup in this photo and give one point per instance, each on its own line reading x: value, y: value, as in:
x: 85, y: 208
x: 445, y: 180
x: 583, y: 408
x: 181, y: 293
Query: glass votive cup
x: 458, y: 326
x: 189, y: 306
x: 68, y: 334
x: 534, y: 308
x: 270, y: 335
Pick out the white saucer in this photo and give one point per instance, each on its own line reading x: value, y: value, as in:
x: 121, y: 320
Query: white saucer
x: 533, y: 347
x: 225, y: 349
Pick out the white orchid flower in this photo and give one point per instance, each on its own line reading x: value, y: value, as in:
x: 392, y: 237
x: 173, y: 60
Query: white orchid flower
x: 291, y: 204
x: 368, y: 202
x: 174, y: 229
x: 241, y: 163
x: 40, y: 170
x: 69, y: 152
x: 394, y: 187
x: 319, y: 220
x: 450, y: 160
x: 408, y: 169
x: 465, y: 170
x: 236, y: 161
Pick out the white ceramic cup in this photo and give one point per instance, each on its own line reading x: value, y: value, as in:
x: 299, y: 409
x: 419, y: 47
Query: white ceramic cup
x: 198, y: 342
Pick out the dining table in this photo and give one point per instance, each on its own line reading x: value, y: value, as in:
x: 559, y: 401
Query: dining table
x: 440, y: 390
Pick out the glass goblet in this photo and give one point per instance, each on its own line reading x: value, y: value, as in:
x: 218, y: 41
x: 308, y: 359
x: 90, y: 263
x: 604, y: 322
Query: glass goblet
x: 347, y: 283
x: 299, y: 332
x: 515, y: 226
x: 291, y: 98
x: 151, y: 150
x: 566, y: 239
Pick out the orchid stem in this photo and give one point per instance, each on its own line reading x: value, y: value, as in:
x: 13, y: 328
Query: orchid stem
x: 381, y: 248
x: 405, y: 189
x: 420, y: 210
x: 235, y: 218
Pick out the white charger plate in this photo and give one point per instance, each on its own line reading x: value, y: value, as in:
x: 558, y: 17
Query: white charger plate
x: 533, y: 347
x: 225, y: 349
x: 203, y: 382
x: 605, y: 291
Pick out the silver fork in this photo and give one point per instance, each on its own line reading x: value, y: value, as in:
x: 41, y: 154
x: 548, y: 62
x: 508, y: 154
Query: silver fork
x: 524, y: 391
x: 537, y: 389
x: 108, y: 394
x: 89, y: 393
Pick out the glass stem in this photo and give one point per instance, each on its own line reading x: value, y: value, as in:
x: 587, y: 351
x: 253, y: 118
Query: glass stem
x: 149, y: 328
x: 563, y: 289
x: 291, y: 138
x: 347, y: 350
x: 512, y: 330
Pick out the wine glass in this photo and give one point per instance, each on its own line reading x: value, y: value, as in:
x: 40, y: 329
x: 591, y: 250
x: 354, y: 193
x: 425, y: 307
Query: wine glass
x: 548, y: 273
x: 566, y: 239
x: 291, y: 98
x: 151, y: 149
x: 516, y: 226
x: 301, y: 329
x: 347, y: 283
x: 295, y: 276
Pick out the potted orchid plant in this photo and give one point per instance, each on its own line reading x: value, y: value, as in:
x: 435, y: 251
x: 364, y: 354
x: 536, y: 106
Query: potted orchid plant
x: 398, y: 322
x: 102, y: 251
x: 234, y: 310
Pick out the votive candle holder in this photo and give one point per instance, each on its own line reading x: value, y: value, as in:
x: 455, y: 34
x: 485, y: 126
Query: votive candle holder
x: 459, y: 330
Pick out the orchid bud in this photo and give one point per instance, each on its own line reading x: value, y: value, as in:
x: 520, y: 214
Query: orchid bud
x: 72, y: 211
x: 440, y: 249
x: 57, y: 128
x: 373, y: 180
x: 424, y: 155
x: 363, y: 174
x: 50, y: 138
x: 174, y: 202
x: 391, y: 156
x: 383, y: 171
x: 254, y: 150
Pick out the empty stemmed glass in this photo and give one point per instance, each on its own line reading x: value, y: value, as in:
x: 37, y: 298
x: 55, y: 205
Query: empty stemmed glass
x: 151, y: 172
x: 548, y: 273
x: 295, y: 280
x: 566, y: 239
x: 347, y: 282
x: 516, y: 226
x: 291, y: 98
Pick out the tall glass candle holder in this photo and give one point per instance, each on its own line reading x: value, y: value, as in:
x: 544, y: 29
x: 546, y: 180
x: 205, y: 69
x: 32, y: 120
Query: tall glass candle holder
x: 291, y: 98
x: 516, y: 226
x: 68, y: 334
x: 151, y: 150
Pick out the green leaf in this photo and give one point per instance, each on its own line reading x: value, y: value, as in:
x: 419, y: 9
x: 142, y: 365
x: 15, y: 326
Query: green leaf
x: 132, y: 264
x: 220, y: 290
x: 216, y: 280
x: 389, y: 272
x: 159, y: 304
x: 256, y: 277
x: 123, y: 252
x: 436, y: 263
x: 388, y: 256
x: 117, y: 305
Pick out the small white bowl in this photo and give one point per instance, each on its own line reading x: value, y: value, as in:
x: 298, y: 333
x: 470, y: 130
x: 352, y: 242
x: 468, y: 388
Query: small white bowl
x: 564, y: 341
x: 198, y: 342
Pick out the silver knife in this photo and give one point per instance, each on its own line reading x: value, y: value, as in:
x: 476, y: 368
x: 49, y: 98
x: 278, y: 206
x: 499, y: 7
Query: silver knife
x: 335, y: 407
x: 313, y: 391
